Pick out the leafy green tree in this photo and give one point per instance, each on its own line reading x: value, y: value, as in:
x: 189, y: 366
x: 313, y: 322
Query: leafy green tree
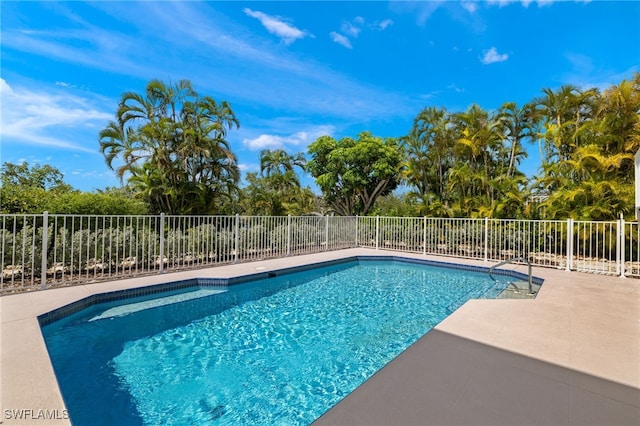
x: 562, y: 113
x: 466, y: 164
x: 264, y: 196
x: 171, y: 146
x: 353, y: 173
x: 393, y: 205
x: 41, y: 188
x: 428, y: 158
x: 593, y: 177
x: 36, y: 176
x: 477, y: 150
x: 29, y: 189
x: 259, y: 198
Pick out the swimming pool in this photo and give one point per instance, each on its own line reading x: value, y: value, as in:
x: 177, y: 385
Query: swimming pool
x: 280, y: 350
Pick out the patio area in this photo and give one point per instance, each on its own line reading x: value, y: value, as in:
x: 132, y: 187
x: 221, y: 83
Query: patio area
x: 569, y: 357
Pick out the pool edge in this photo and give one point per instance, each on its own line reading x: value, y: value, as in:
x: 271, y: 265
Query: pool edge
x: 38, y: 303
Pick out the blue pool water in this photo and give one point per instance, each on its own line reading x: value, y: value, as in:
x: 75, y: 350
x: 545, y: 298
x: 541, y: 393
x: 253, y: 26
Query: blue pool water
x: 281, y: 350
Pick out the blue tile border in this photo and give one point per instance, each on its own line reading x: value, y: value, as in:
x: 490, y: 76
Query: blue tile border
x: 72, y: 308
x: 94, y: 299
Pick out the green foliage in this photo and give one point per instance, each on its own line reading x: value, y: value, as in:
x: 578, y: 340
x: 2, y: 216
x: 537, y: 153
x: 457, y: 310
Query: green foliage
x: 590, y: 140
x: 42, y: 188
x: 30, y: 189
x: 267, y: 196
x: 170, y: 144
x: 278, y: 163
x: 393, y: 205
x: 16, y: 199
x: 37, y: 176
x: 353, y: 173
x: 466, y: 164
x: 96, y: 204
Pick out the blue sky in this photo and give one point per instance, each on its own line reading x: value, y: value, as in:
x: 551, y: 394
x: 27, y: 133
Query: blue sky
x: 292, y: 71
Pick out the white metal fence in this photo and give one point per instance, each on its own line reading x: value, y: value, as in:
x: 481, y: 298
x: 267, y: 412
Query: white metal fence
x: 43, y: 251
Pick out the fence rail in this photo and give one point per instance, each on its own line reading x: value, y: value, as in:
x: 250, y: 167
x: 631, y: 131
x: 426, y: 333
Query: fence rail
x: 43, y: 251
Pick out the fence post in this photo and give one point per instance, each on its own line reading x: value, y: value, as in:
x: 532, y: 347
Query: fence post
x: 569, y: 244
x: 620, y: 248
x: 377, y: 230
x: 237, y: 239
x: 288, y: 235
x: 326, y: 234
x: 486, y: 239
x: 424, y: 235
x: 357, y: 223
x: 161, y: 243
x: 45, y: 243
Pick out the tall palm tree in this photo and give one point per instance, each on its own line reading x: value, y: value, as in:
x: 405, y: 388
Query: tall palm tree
x: 620, y: 121
x: 516, y: 127
x: 590, y: 176
x: 428, y: 149
x: 563, y: 112
x: 172, y: 141
x: 278, y: 161
x: 478, y: 144
x: 280, y: 166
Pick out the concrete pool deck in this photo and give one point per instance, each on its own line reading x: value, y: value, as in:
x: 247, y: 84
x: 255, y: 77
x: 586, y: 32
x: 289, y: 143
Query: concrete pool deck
x: 569, y: 357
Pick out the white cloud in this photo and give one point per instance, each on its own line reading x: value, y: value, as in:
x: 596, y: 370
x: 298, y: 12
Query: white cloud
x: 311, y: 88
x: 524, y: 3
x: 41, y: 118
x: 428, y: 96
x: 340, y: 39
x: 469, y: 6
x: 101, y: 48
x: 422, y: 10
x: 491, y: 56
x: 5, y: 89
x: 296, y: 141
x: 383, y: 25
x: 276, y: 25
x: 350, y: 29
x: 502, y: 3
x: 354, y: 27
x: 580, y: 63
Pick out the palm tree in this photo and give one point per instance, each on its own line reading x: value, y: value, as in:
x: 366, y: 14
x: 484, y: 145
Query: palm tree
x: 428, y: 151
x: 478, y: 145
x: 563, y: 112
x: 591, y: 175
x: 279, y: 162
x: 516, y: 127
x: 171, y: 144
x: 278, y: 167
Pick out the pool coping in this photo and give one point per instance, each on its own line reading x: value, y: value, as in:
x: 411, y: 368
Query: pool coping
x: 28, y: 381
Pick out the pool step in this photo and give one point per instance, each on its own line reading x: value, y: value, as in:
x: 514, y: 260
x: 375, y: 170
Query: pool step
x: 519, y: 290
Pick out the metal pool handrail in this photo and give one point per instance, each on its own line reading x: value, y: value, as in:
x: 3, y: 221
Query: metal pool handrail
x: 504, y: 262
